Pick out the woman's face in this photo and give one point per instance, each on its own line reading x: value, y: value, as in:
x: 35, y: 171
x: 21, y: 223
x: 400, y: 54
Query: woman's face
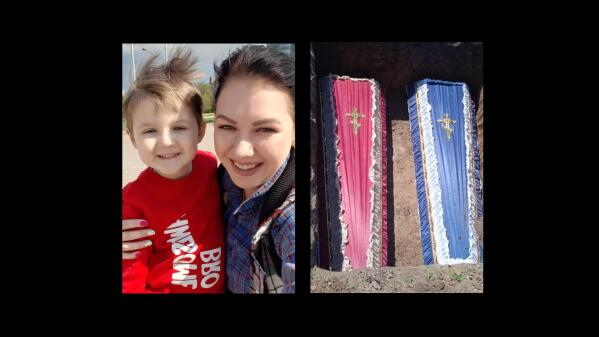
x: 253, y: 131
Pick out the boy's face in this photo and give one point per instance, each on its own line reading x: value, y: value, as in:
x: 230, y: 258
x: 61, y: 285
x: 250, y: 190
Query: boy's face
x: 253, y: 131
x: 166, y: 140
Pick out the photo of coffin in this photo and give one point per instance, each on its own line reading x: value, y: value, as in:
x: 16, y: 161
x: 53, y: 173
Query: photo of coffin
x: 431, y: 154
x: 355, y: 161
x: 444, y: 139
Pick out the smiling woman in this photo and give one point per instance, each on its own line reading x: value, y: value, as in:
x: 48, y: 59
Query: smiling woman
x: 254, y: 136
x: 253, y: 131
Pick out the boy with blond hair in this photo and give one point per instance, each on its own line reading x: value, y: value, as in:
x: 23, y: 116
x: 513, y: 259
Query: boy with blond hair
x: 178, y: 194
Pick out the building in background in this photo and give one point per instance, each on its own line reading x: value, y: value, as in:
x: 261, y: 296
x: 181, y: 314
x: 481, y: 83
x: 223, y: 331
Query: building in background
x: 288, y: 48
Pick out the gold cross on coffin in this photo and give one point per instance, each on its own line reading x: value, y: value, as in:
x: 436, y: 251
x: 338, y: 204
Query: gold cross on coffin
x: 354, y: 122
x: 446, y: 121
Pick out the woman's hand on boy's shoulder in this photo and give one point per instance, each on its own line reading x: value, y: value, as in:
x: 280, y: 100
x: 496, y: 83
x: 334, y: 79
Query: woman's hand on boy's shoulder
x: 131, y: 248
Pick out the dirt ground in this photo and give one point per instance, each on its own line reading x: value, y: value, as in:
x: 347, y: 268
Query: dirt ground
x: 408, y: 251
x: 462, y: 278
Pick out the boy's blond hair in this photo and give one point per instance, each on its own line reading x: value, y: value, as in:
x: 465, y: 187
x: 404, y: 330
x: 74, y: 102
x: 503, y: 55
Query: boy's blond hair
x: 168, y: 85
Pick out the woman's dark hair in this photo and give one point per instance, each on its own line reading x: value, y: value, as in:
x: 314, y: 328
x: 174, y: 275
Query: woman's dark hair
x: 270, y: 64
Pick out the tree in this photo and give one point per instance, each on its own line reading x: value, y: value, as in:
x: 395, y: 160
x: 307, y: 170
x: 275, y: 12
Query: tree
x: 207, y: 99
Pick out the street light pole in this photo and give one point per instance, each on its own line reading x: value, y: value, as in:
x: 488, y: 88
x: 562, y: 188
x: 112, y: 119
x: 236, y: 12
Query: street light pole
x: 133, y: 60
x: 165, y: 53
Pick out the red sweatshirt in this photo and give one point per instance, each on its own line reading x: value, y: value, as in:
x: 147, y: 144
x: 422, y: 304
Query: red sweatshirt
x: 188, y: 250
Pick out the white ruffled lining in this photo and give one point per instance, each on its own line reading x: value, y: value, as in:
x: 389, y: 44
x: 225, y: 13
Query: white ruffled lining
x: 344, y: 228
x: 430, y: 165
x: 373, y: 255
x: 472, y: 237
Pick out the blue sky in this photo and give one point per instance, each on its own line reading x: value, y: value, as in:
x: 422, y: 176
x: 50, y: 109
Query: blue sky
x: 207, y: 54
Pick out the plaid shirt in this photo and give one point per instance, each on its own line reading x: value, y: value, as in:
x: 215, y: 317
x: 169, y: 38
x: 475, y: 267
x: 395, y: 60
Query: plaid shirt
x: 242, y: 218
